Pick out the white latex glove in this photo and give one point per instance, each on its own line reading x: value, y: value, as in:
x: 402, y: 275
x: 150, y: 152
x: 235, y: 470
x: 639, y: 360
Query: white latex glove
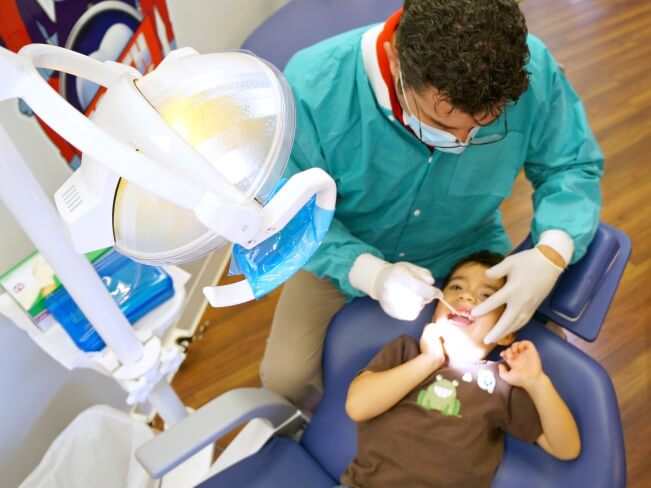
x: 530, y: 276
x: 402, y: 288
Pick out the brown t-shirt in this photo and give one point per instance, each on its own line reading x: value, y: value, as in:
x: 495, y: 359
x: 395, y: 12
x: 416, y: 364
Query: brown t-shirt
x: 447, y: 432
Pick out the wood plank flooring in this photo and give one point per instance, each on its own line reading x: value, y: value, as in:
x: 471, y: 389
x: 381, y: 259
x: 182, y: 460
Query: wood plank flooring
x: 605, y: 46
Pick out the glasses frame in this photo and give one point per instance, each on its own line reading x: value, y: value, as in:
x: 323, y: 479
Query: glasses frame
x: 474, y: 141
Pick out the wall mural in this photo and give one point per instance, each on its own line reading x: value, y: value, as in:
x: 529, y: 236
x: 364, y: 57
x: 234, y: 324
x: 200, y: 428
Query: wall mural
x: 134, y: 32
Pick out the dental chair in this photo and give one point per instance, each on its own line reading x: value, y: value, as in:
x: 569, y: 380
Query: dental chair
x: 357, y: 333
x: 579, y: 302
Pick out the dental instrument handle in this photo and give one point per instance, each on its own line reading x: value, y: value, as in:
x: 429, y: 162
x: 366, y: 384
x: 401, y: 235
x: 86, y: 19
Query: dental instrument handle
x: 438, y: 295
x: 452, y: 309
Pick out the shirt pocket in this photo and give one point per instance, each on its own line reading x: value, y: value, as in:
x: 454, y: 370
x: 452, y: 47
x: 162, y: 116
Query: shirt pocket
x: 488, y: 169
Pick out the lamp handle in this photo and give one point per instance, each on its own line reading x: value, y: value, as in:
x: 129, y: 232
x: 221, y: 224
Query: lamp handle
x: 284, y: 206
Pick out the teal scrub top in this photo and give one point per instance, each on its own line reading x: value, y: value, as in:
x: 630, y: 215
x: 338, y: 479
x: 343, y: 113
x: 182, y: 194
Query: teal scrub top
x: 401, y: 201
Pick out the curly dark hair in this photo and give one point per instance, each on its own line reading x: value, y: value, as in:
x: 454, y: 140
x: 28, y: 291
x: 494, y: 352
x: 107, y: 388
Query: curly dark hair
x: 486, y: 258
x: 473, y: 52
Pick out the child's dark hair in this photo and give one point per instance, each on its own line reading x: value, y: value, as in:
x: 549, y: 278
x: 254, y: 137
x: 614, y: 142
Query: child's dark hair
x: 487, y: 258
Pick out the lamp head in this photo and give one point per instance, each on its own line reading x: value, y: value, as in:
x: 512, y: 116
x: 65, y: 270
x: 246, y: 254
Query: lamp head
x: 220, y: 121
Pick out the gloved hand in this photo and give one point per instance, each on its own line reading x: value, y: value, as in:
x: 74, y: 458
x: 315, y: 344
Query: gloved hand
x: 402, y: 288
x: 530, y: 276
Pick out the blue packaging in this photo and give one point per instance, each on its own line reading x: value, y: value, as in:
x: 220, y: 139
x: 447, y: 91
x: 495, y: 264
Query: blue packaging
x: 135, y: 287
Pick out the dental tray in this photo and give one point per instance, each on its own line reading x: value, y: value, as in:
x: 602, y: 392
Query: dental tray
x: 135, y: 287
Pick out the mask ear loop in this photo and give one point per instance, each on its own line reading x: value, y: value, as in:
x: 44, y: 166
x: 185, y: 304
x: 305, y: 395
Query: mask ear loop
x: 404, y: 95
x: 420, y: 124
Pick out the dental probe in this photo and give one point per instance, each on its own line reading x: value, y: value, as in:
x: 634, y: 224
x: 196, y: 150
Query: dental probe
x: 439, y: 295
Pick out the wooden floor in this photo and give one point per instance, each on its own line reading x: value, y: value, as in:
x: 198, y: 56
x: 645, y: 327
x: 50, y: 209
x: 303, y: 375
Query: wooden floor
x: 606, y: 48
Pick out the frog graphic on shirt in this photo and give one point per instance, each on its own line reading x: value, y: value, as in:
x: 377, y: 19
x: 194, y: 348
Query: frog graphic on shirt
x: 442, y: 396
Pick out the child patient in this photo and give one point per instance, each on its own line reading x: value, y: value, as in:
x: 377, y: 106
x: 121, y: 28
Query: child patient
x: 432, y: 413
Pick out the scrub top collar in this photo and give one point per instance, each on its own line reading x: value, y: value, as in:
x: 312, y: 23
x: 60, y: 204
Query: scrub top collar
x: 376, y: 65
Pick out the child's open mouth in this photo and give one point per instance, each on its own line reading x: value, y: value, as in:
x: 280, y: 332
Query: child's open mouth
x: 459, y: 320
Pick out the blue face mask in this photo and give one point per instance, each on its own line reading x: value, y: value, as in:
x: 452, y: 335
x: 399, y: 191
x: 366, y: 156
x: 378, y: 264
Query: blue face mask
x: 440, y: 139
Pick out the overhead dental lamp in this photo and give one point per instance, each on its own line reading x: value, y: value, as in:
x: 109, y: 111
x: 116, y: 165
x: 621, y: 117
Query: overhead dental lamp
x: 179, y: 162
x: 176, y: 163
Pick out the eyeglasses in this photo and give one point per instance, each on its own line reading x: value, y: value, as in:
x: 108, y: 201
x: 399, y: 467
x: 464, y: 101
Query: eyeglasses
x: 491, y: 138
x: 474, y: 141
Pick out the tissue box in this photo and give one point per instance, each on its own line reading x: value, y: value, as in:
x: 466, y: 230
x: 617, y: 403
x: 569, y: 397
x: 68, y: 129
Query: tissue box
x: 31, y: 281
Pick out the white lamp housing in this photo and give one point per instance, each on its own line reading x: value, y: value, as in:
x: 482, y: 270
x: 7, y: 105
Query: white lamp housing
x: 194, y: 117
x: 175, y: 163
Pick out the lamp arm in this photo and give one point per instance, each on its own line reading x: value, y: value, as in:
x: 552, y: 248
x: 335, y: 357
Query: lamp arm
x: 293, y: 196
x: 283, y: 207
x: 13, y: 70
x: 60, y: 59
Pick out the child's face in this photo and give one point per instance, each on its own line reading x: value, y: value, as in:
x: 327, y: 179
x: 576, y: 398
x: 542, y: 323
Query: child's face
x: 464, y: 338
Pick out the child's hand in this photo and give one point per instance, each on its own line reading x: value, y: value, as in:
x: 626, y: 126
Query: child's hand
x: 431, y: 345
x: 524, y: 367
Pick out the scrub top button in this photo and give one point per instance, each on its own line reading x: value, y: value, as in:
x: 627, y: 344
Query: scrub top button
x: 392, y: 118
x: 429, y: 160
x: 401, y: 255
x: 416, y: 212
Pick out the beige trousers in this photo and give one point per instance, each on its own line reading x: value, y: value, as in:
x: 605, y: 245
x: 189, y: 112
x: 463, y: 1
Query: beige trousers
x: 292, y: 360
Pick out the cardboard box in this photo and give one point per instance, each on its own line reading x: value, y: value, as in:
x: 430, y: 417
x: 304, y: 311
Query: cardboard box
x: 31, y: 280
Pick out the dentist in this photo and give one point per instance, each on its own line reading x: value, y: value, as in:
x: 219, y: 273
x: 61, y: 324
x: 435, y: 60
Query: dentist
x: 424, y: 122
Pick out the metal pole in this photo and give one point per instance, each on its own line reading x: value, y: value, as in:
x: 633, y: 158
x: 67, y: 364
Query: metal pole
x: 34, y: 212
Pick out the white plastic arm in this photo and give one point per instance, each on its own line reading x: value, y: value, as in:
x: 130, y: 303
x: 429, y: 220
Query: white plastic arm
x: 218, y: 417
x: 293, y: 196
x: 87, y: 137
x: 13, y: 71
x: 23, y: 81
x: 229, y: 295
x: 235, y: 217
x: 60, y: 59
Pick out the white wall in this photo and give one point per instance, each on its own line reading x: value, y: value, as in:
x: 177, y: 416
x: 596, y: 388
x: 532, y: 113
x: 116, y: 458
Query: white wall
x: 213, y: 25
x: 38, y: 398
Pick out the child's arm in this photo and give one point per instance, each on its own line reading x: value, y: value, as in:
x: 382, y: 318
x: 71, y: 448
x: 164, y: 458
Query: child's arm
x: 371, y: 394
x: 560, y: 436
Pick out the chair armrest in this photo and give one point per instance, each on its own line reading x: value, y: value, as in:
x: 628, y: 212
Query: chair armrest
x: 218, y: 417
x: 581, y: 298
x: 585, y: 291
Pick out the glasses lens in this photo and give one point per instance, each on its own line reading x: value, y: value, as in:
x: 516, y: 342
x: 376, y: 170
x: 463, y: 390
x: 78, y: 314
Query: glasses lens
x: 477, y: 141
x: 491, y: 138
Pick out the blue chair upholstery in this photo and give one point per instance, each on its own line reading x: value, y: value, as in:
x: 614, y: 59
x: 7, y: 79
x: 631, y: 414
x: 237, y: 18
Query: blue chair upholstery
x: 280, y: 463
x: 361, y: 328
x: 301, y: 23
x: 329, y: 443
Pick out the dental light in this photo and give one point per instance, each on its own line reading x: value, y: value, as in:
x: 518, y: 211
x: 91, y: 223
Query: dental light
x: 176, y: 163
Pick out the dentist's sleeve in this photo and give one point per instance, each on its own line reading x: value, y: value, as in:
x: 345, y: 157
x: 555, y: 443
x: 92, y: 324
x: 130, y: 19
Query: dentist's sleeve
x: 564, y: 164
x: 340, y: 248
